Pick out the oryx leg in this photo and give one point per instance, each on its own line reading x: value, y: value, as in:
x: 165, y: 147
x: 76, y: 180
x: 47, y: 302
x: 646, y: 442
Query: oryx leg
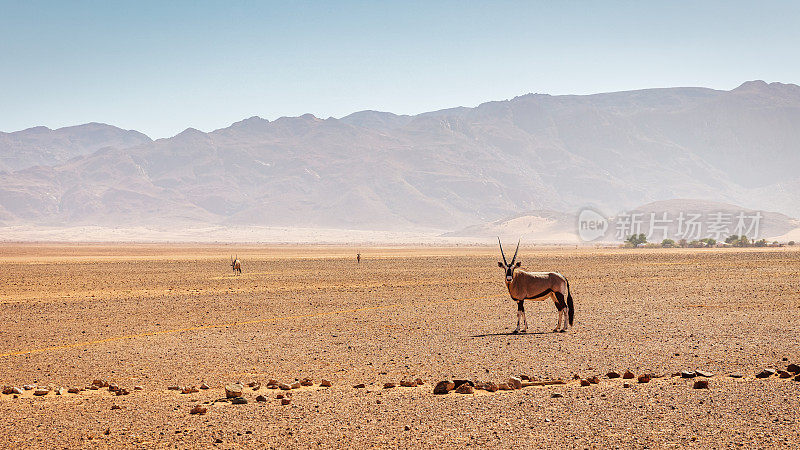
x: 561, y: 306
x: 521, y: 311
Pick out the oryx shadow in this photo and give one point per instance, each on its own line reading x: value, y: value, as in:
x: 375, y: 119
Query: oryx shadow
x: 530, y: 333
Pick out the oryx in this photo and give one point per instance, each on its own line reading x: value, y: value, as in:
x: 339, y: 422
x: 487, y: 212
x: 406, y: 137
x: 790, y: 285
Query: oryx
x: 236, y: 265
x: 537, y: 286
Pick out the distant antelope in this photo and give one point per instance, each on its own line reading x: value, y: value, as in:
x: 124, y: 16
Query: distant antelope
x: 236, y: 265
x: 535, y: 286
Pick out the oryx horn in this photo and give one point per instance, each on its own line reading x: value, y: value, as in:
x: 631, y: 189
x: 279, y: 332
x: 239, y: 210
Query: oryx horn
x: 501, y: 251
x: 515, y: 253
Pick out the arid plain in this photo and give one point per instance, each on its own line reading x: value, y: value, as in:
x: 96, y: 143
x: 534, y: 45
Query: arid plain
x: 155, y: 316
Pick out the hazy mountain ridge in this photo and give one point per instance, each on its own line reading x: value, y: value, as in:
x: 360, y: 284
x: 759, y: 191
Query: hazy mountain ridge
x: 444, y: 169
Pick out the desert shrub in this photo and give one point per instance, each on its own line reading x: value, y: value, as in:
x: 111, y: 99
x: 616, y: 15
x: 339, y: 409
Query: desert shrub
x: 668, y: 243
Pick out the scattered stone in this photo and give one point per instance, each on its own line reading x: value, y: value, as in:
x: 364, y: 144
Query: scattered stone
x: 295, y: 385
x: 218, y: 441
x: 407, y: 428
x: 644, y: 378
x: 628, y: 375
x: 234, y: 390
x: 41, y: 391
x: 113, y: 407
x: 173, y: 388
x: 700, y: 384
x: 256, y: 387
x: 16, y: 391
x: 556, y: 395
x: 491, y: 387
x: 612, y: 374
x: 794, y: 368
x: 273, y: 381
x: 626, y: 385
x: 252, y: 384
x: 784, y: 374
x: 202, y: 386
x: 306, y: 382
x: 797, y: 378
x: 464, y: 389
x: 140, y: 388
x: 408, y: 383
x: 198, y: 410
x: 239, y: 401
x: 325, y: 383
x: 524, y: 377
x: 7, y: 390
x: 766, y: 373
x: 113, y: 387
x: 72, y: 390
x: 92, y: 387
x: 594, y: 380
x: 515, y: 382
x: 389, y: 385
x: 61, y: 391
x: 99, y: 383
x: 736, y: 375
x: 122, y: 391
x: 279, y: 396
x: 28, y: 387
x: 261, y: 399
x: 285, y: 401
x: 585, y: 383
x: 443, y: 387
x: 360, y: 386
x: 190, y: 390
x: 688, y: 374
x: 703, y: 373
x: 457, y: 383
x: 504, y: 387
x: 284, y: 386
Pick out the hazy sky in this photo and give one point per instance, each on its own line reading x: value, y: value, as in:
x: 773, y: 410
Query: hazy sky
x: 160, y: 67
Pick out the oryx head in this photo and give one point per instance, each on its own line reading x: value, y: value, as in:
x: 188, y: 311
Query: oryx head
x: 509, y: 268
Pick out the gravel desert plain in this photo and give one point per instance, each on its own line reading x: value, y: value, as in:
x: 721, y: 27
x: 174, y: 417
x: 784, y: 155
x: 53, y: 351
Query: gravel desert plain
x: 137, y: 320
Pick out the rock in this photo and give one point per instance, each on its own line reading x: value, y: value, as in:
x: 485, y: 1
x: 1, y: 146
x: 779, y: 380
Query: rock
x: 279, y: 396
x: 594, y: 380
x: 202, y: 386
x: 73, y: 390
x: 419, y: 381
x: 515, y: 382
x: 704, y: 373
x: 796, y: 378
x: 457, y: 383
x: 272, y: 386
x: 113, y: 387
x: 239, y: 401
x: 173, y: 388
x: 306, y: 382
x: 556, y: 395
x: 198, y: 410
x: 360, y: 386
x: 325, y: 383
x: 491, y: 387
x: 234, y: 390
x: 285, y: 401
x: 41, y: 391
x: 612, y: 374
x: 626, y: 385
x: 140, y: 388
x: 256, y: 387
x: 443, y: 387
x: 99, y: 383
x: 190, y: 390
x: 272, y: 381
x: 784, y: 374
x: 389, y: 385
x: 113, y: 407
x: 628, y: 375
x: 28, y: 387
x: 122, y: 391
x: 766, y: 373
x: 295, y: 385
x: 218, y: 441
x: 92, y: 387
x: 644, y: 378
x: 736, y: 375
x: 408, y: 383
x: 794, y: 368
x: 688, y: 374
x: 700, y: 384
x: 61, y: 391
x: 261, y: 399
x: 504, y: 387
x: 407, y: 428
x: 252, y: 384
x: 16, y: 391
x: 7, y: 390
x: 585, y: 383
x: 465, y: 389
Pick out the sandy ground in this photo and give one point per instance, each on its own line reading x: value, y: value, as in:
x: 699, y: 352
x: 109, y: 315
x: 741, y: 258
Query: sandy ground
x: 156, y: 315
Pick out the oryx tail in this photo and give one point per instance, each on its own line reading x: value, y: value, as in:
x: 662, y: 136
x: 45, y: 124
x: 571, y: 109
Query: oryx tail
x: 569, y: 302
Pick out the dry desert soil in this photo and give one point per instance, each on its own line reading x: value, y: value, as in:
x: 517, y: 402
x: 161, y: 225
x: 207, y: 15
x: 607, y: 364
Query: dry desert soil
x: 155, y: 316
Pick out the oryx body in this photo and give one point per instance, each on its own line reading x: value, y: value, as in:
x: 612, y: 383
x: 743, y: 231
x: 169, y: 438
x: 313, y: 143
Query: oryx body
x: 537, y: 286
x: 236, y: 265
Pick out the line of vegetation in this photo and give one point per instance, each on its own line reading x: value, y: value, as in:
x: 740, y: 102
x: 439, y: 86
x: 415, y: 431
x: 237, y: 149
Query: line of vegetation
x: 640, y: 241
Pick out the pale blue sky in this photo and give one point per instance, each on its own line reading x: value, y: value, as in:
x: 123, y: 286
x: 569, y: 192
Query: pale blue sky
x: 160, y: 67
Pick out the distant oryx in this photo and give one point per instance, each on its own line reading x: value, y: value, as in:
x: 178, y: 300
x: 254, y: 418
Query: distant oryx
x: 236, y: 265
x: 536, y: 286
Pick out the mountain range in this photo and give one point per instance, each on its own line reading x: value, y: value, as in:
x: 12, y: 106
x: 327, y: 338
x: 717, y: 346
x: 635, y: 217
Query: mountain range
x: 445, y: 170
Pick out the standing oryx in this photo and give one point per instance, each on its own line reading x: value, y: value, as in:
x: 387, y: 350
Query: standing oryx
x: 537, y: 286
x: 236, y: 265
